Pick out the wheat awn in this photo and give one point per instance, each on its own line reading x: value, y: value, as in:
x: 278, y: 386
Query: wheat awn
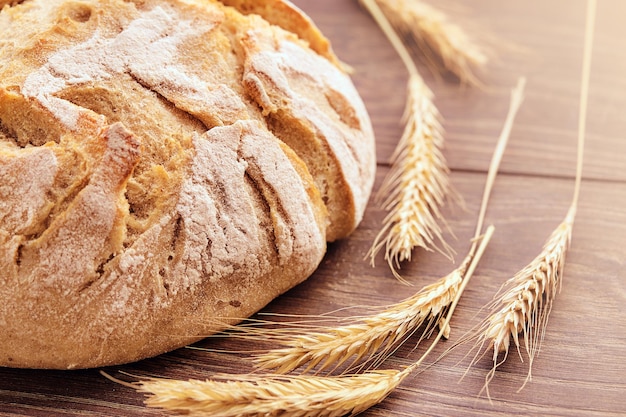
x: 524, y: 303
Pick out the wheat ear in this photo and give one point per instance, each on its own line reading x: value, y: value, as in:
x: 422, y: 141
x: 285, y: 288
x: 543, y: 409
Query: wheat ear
x: 524, y: 304
x: 254, y: 395
x: 524, y: 307
x: 435, y: 34
x: 417, y: 184
x: 288, y: 395
x: 369, y: 338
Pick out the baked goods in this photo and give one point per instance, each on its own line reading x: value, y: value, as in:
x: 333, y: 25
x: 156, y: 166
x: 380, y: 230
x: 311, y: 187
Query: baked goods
x: 165, y: 167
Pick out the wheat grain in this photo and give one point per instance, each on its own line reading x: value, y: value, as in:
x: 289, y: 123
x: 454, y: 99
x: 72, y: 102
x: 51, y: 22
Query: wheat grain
x: 436, y: 35
x: 255, y: 395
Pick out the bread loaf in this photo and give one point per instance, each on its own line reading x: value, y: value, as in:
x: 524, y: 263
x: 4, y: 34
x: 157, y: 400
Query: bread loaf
x: 166, y: 167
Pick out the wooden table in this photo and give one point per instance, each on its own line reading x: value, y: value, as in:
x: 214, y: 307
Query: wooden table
x: 581, y: 370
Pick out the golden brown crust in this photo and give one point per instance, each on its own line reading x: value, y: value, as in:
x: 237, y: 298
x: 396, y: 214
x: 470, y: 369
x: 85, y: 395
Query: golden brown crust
x: 286, y: 15
x: 9, y: 3
x: 149, y: 181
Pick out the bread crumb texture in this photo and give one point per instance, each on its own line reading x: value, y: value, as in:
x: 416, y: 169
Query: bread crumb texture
x: 166, y: 167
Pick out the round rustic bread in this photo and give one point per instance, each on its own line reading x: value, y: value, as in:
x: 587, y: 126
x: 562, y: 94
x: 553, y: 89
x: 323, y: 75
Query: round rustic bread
x: 166, y: 167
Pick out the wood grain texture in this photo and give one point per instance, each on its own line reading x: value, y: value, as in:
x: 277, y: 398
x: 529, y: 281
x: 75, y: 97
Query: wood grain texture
x: 581, y: 370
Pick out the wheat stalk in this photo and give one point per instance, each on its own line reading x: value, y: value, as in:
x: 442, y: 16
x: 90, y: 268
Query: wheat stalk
x: 417, y: 184
x: 523, y: 305
x: 433, y: 31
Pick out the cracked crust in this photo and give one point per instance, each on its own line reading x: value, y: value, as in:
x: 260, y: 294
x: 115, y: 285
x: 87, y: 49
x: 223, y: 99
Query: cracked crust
x: 162, y: 165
